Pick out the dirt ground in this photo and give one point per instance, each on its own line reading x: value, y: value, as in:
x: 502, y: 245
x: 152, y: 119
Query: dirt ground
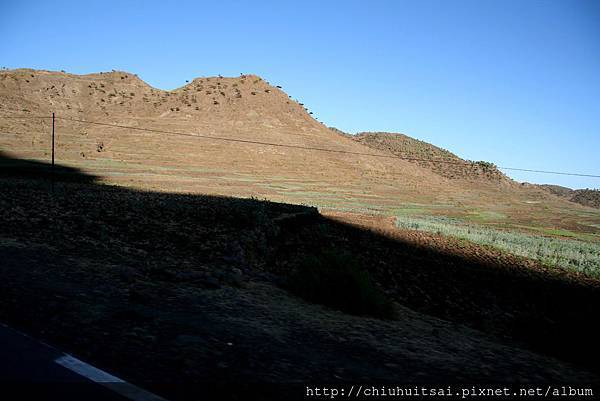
x: 174, y: 291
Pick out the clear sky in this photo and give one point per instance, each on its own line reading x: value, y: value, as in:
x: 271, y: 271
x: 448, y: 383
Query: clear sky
x: 512, y: 82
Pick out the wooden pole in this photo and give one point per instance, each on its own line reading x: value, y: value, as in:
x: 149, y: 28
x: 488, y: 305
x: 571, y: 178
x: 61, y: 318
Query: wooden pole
x: 52, y: 171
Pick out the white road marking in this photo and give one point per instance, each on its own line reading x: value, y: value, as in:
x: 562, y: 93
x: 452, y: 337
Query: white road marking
x: 106, y: 379
x: 82, y: 368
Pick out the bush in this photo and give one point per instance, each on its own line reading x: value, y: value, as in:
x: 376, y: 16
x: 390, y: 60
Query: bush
x: 486, y: 166
x: 335, y: 279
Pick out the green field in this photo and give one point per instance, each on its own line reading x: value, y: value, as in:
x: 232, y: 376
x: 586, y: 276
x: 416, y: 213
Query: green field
x: 570, y: 254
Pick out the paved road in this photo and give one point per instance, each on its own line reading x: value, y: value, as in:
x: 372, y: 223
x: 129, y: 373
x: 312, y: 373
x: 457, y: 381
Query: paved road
x: 31, y: 370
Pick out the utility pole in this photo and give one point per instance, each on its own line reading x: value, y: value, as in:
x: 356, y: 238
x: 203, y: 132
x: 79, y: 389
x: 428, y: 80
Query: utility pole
x: 52, y: 171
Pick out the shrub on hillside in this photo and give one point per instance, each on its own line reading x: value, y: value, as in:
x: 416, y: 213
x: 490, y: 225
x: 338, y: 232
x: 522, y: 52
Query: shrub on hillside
x: 486, y: 166
x: 335, y: 279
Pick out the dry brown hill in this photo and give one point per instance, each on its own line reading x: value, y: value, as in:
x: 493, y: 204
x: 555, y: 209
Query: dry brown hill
x: 239, y: 119
x: 431, y: 157
x: 558, y: 190
x: 586, y: 197
x: 243, y: 108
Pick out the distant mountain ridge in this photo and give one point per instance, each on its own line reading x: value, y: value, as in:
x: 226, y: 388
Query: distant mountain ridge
x: 431, y: 157
x: 586, y: 197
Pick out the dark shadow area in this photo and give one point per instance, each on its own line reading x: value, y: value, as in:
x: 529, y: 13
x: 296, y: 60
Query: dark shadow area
x: 20, y: 168
x: 193, y: 289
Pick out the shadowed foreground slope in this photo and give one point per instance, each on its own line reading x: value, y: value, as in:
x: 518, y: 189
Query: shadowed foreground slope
x: 169, y: 288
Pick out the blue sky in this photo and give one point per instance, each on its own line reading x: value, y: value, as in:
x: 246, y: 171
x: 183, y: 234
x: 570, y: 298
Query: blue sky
x: 512, y: 82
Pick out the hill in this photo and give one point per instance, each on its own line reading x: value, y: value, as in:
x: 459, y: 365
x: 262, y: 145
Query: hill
x: 586, y: 197
x: 431, y: 157
x: 244, y: 108
x: 558, y: 190
x: 243, y: 136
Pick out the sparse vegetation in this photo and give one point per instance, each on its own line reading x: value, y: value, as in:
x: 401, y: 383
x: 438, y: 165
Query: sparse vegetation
x: 453, y: 166
x: 486, y: 166
x: 555, y: 252
x: 586, y: 197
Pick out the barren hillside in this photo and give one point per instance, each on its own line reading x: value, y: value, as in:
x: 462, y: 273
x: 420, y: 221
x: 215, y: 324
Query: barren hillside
x: 245, y: 137
x: 245, y: 108
x: 431, y: 157
x: 586, y: 197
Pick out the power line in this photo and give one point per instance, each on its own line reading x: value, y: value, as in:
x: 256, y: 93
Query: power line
x: 323, y: 149
x: 247, y: 141
x: 256, y: 142
x: 239, y: 140
x: 548, y: 172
